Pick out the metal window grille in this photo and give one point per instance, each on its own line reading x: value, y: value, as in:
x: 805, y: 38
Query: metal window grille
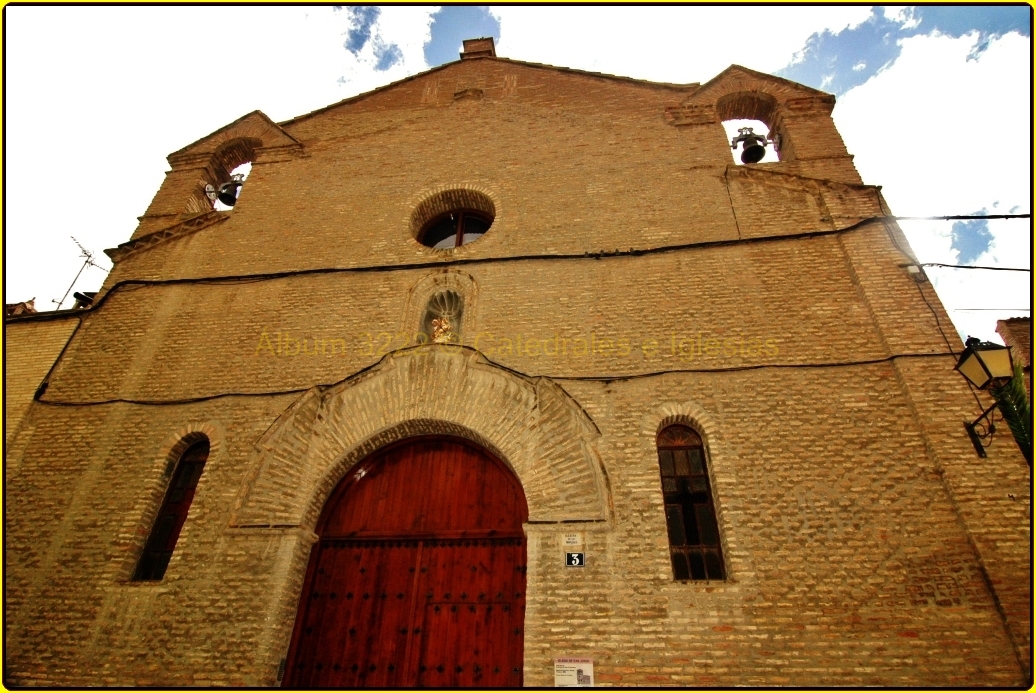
x: 694, y: 544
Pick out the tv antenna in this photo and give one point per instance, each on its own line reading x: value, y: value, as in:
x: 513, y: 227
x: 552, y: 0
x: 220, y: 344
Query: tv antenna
x: 88, y: 262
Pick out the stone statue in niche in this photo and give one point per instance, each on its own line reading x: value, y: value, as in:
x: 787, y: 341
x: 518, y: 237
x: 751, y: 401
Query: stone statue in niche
x: 442, y: 318
x: 441, y: 331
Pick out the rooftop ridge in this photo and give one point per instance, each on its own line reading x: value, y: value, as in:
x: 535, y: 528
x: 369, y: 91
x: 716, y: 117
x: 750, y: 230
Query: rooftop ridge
x: 601, y: 75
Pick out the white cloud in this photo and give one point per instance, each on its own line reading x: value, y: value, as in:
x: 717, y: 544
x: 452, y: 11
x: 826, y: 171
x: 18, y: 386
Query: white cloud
x: 904, y: 14
x: 941, y: 133
x: 1011, y: 247
x: 96, y: 97
x: 946, y: 135
x: 666, y: 44
x: 407, y: 27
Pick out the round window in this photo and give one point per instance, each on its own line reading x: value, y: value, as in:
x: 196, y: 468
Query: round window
x: 455, y: 228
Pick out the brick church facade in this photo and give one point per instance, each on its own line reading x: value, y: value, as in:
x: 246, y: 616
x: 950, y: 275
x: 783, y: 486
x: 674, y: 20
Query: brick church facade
x: 466, y: 329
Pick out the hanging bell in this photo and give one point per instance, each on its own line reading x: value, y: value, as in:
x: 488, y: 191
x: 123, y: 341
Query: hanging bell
x: 753, y: 148
x: 228, y: 193
x: 753, y: 153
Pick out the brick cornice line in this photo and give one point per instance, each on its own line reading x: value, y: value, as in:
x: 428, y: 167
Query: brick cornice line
x: 757, y: 171
x: 184, y: 228
x: 274, y: 152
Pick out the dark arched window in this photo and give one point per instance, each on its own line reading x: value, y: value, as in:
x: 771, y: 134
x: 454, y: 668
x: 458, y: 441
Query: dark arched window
x: 169, y: 521
x: 689, y: 513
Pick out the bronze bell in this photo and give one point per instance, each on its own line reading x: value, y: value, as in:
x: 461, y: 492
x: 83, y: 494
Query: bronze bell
x: 753, y: 148
x: 752, y: 153
x: 228, y: 193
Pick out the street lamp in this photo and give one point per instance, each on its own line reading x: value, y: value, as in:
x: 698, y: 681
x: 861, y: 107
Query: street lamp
x: 985, y: 365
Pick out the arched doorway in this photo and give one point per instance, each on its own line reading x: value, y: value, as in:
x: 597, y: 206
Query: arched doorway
x: 418, y: 578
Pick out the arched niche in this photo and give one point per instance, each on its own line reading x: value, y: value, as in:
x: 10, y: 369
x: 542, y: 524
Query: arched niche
x: 797, y: 117
x: 461, y: 284
x: 208, y: 161
x: 231, y: 154
x: 747, y: 105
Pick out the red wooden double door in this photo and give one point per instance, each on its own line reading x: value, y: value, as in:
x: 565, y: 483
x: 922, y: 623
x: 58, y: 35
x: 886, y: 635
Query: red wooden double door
x: 418, y: 579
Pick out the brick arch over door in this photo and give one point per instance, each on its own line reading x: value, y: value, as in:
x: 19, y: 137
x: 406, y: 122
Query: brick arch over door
x: 531, y: 424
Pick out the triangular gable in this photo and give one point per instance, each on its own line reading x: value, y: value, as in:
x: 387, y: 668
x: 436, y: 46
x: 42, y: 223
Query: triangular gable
x: 538, y: 66
x: 739, y: 92
x: 366, y: 94
x: 253, y: 126
x: 737, y: 79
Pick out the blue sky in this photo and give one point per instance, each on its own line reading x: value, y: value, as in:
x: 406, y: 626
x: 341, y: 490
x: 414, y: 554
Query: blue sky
x: 933, y: 101
x: 838, y: 62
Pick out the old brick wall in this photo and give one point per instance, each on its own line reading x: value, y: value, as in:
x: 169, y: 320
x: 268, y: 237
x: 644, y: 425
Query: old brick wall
x: 865, y: 543
x: 31, y: 345
x: 1017, y: 334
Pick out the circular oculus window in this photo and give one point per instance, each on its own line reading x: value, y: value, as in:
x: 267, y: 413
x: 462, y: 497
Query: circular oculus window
x: 454, y: 229
x: 452, y: 218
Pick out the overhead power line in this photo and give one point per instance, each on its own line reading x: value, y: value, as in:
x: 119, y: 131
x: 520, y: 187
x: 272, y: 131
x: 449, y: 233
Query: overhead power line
x: 954, y: 217
x: 982, y: 267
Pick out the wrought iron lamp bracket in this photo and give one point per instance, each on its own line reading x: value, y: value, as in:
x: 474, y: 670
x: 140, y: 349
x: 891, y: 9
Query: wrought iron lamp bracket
x: 981, y: 430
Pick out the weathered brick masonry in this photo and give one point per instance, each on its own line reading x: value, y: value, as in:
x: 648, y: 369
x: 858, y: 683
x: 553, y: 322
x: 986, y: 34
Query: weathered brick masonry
x: 865, y: 543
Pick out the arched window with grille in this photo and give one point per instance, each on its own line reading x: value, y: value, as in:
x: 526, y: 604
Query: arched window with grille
x: 690, y: 515
x: 171, y: 517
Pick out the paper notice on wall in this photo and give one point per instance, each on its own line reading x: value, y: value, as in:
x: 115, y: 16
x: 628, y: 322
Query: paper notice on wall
x: 572, y: 672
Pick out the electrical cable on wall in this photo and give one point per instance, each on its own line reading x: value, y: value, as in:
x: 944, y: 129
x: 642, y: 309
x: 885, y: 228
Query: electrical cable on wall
x: 598, y: 255
x: 575, y: 378
x: 133, y: 284
x: 248, y: 278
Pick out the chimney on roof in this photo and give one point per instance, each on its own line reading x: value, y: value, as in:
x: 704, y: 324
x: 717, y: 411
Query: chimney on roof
x: 479, y: 48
